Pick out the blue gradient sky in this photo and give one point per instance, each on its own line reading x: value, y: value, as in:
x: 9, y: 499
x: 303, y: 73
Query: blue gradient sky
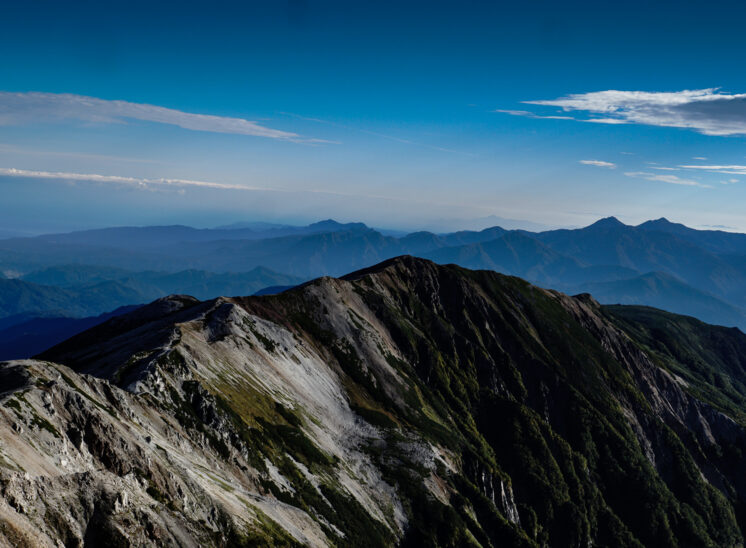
x: 385, y: 112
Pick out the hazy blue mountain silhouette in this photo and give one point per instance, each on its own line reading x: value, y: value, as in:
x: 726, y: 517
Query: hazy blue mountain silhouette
x: 707, y: 267
x: 91, y: 291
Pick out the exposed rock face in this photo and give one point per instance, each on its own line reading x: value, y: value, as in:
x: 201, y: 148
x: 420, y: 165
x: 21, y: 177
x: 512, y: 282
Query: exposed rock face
x: 408, y: 404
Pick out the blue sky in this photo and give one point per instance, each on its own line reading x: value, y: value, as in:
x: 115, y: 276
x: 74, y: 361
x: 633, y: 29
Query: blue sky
x: 398, y: 114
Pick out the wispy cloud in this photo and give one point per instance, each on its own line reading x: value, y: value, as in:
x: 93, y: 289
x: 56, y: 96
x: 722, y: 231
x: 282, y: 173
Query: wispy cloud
x: 609, y: 121
x: 670, y: 179
x: 599, y: 163
x: 707, y: 111
x: 118, y: 179
x: 721, y: 227
x: 21, y: 108
x: 727, y: 169
x: 527, y: 114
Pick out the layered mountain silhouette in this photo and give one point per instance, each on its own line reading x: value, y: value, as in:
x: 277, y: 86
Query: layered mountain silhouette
x: 406, y: 404
x: 75, y: 291
x: 658, y: 263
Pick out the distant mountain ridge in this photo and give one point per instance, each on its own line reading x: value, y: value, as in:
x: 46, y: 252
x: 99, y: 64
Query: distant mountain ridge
x: 717, y: 241
x: 146, y: 237
x: 74, y: 291
x: 608, y: 256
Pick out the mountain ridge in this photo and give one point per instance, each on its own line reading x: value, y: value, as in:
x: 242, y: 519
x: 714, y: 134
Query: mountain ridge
x: 708, y: 262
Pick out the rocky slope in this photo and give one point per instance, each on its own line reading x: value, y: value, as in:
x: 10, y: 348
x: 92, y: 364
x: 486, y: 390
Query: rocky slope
x: 409, y: 404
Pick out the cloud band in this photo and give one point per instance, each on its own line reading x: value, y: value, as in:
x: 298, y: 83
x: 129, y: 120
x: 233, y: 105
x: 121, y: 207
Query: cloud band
x: 706, y: 111
x: 19, y: 108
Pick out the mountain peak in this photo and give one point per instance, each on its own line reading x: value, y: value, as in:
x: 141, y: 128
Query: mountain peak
x: 658, y: 222
x: 664, y: 225
x: 404, y: 261
x: 326, y: 222
x: 331, y: 224
x: 607, y: 222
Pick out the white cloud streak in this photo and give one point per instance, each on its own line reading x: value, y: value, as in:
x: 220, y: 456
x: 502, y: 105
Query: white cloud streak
x: 727, y: 169
x: 670, y: 179
x: 608, y: 121
x: 32, y: 107
x: 599, y: 163
x: 527, y: 114
x: 118, y: 179
x: 707, y: 111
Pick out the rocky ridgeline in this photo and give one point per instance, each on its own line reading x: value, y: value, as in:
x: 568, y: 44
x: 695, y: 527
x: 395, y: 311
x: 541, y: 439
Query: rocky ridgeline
x: 408, y: 404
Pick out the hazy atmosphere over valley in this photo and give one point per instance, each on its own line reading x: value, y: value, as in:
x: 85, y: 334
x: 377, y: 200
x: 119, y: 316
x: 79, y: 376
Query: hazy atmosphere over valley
x: 373, y: 274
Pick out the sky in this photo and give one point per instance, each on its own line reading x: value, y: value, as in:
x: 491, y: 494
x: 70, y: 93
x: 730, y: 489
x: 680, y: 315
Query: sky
x: 402, y: 114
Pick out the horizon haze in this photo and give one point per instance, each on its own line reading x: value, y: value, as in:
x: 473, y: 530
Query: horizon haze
x: 404, y: 115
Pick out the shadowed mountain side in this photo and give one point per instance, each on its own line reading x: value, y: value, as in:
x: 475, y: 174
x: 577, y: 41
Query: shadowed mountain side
x: 35, y: 335
x: 710, y: 359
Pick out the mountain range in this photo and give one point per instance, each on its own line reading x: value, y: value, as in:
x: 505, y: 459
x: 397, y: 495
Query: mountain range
x: 701, y: 273
x: 406, y: 404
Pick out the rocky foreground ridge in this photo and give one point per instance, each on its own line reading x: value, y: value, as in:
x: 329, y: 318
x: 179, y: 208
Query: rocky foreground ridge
x: 409, y: 404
